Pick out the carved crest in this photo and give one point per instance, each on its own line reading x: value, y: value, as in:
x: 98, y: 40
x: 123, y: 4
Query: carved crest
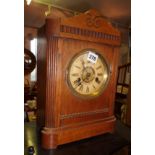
x: 89, y: 26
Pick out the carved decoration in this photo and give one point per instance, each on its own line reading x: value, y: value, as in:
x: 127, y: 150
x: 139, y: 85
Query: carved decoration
x: 83, y: 114
x: 94, y: 21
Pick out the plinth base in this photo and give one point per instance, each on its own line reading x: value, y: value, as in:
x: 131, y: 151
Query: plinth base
x: 52, y: 137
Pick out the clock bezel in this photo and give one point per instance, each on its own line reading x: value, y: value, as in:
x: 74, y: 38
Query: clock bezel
x: 103, y: 87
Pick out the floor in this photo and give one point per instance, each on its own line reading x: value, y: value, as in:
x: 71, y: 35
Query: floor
x: 106, y: 144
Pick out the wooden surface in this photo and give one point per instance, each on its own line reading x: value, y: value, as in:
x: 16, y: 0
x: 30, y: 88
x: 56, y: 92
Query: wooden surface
x: 41, y: 77
x: 65, y: 117
x: 90, y: 26
x: 105, y: 144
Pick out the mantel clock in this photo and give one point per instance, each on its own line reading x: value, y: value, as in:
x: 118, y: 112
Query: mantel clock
x: 77, y: 71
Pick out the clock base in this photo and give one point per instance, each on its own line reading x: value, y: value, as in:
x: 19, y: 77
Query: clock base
x: 52, y: 137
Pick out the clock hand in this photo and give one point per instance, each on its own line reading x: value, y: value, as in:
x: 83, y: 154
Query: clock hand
x: 77, y: 82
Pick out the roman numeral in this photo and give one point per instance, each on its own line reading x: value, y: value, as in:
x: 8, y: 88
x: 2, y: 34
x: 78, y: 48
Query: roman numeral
x: 94, y: 87
x: 100, y: 74
x: 78, y: 67
x: 82, y: 61
x: 75, y: 74
x: 77, y: 82
x: 81, y: 88
x: 98, y: 67
x: 87, y: 89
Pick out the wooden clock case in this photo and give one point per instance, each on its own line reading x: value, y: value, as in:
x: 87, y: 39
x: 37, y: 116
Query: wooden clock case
x: 63, y: 117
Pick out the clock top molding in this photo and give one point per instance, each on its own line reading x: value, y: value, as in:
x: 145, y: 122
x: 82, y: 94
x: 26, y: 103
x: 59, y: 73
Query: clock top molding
x: 89, y: 26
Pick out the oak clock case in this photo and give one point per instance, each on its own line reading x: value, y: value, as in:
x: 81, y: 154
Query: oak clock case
x: 76, y: 78
x: 87, y: 74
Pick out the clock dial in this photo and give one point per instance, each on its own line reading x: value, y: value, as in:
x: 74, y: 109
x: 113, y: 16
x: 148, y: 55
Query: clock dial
x: 86, y: 77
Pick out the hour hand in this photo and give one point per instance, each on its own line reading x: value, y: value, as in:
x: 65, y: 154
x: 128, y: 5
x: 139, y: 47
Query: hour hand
x: 77, y: 82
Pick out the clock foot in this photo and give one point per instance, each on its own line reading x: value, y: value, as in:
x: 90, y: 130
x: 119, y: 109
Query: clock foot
x: 49, y: 139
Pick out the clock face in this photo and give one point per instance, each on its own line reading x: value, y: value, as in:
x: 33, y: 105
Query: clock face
x: 87, y: 74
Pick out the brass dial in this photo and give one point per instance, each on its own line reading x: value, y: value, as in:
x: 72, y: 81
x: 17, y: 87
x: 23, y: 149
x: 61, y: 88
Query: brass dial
x: 87, y: 74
